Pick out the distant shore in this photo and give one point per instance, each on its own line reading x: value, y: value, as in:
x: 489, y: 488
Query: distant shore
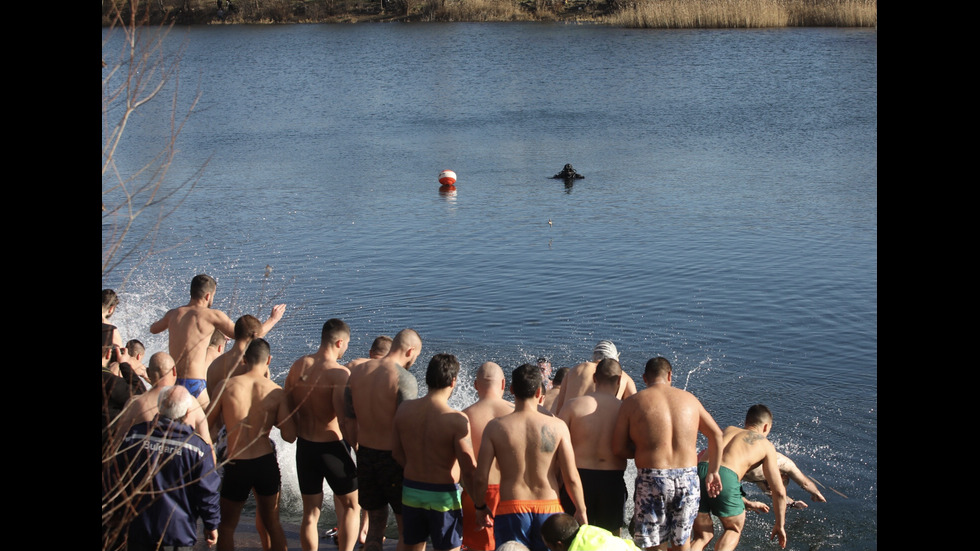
x: 674, y: 14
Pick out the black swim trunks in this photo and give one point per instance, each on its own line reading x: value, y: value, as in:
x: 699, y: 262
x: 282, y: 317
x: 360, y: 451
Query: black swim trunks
x: 605, y: 498
x: 331, y: 460
x: 379, y: 480
x: 243, y: 475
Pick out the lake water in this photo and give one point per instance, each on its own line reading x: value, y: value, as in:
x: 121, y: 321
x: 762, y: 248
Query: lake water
x: 728, y: 219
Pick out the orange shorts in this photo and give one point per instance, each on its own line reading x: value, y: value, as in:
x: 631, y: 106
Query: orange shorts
x: 474, y: 536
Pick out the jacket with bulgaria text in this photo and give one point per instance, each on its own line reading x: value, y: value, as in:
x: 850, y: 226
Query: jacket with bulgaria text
x: 174, y: 482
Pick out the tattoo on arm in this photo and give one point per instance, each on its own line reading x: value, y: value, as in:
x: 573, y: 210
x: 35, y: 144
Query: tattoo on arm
x: 349, y: 403
x: 408, y: 388
x: 548, y: 439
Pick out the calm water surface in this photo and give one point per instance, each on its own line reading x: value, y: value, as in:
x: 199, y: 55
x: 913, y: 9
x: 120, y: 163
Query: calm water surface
x: 728, y: 220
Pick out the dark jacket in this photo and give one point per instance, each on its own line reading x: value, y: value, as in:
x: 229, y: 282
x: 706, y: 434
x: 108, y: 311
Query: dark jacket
x: 175, y: 483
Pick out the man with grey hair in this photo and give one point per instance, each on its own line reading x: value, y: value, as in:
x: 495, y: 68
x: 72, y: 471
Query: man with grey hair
x: 578, y: 381
x: 172, y: 479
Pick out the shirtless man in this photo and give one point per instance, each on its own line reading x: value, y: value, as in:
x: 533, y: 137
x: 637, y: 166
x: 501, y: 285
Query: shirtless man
x: 591, y: 420
x: 432, y: 442
x: 578, y: 380
x: 230, y: 363
x: 787, y: 471
x: 315, y: 387
x: 248, y: 405
x: 490, y: 385
x: 743, y: 449
x: 144, y: 408
x: 190, y: 330
x: 659, y: 427
x: 373, y: 393
x: 530, y: 448
x: 379, y: 349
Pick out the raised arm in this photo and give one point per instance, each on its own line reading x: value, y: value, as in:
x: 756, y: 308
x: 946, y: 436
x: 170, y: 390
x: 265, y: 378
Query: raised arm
x: 276, y: 315
x: 223, y: 323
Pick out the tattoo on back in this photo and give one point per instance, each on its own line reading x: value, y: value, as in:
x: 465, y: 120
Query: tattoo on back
x: 753, y: 437
x: 548, y: 439
x: 408, y: 388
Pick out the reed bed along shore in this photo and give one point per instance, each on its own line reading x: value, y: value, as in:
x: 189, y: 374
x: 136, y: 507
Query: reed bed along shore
x: 667, y: 14
x: 731, y: 14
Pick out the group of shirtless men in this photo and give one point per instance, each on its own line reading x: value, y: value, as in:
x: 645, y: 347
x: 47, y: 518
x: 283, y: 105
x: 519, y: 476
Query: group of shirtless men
x: 517, y: 463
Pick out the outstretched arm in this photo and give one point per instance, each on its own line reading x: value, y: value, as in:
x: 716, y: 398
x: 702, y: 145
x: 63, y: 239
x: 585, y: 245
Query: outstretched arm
x: 790, y: 468
x: 276, y: 315
x: 161, y: 324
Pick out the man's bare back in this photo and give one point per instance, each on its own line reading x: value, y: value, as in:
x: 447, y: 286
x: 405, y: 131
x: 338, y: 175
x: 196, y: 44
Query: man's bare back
x: 190, y: 329
x: 661, y: 425
x: 531, y: 449
x: 376, y: 388
x: 491, y: 405
x: 742, y: 450
x: 315, y: 386
x: 249, y: 406
x: 591, y: 421
x: 432, y: 440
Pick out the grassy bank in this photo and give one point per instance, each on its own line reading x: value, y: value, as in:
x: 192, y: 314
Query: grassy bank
x: 627, y: 13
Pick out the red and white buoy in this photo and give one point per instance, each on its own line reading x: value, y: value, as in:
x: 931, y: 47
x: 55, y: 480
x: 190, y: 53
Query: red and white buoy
x: 447, y: 178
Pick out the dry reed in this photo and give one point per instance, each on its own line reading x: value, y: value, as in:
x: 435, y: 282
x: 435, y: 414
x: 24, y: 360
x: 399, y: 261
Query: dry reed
x: 722, y: 14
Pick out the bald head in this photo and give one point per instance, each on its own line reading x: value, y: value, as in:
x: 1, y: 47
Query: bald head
x: 405, y: 347
x: 489, y: 380
x: 161, y: 364
x: 405, y: 339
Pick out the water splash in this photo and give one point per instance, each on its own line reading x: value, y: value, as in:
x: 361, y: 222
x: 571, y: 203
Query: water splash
x: 701, y: 364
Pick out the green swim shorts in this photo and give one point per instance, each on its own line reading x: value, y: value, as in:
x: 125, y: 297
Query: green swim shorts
x: 729, y: 501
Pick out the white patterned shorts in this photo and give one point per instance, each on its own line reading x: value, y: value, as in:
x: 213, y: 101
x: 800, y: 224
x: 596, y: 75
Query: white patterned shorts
x: 666, y: 503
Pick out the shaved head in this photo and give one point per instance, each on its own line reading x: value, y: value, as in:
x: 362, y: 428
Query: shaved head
x: 160, y: 364
x: 405, y: 339
x: 489, y: 380
x: 489, y: 371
